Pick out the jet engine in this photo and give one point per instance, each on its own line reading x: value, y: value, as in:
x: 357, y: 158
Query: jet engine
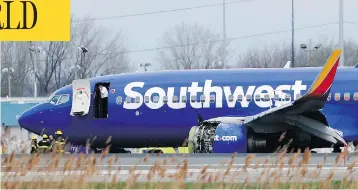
x: 218, y: 137
x: 230, y: 137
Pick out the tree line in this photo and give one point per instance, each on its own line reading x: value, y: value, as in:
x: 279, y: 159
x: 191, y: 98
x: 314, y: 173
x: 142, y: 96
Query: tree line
x: 186, y: 46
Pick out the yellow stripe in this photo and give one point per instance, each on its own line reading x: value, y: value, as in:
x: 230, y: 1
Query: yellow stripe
x: 326, y: 68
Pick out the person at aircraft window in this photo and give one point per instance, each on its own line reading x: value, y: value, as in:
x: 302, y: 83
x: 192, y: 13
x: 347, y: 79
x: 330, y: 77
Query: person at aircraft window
x: 34, y: 146
x: 44, y: 144
x: 104, y: 100
x: 59, y: 142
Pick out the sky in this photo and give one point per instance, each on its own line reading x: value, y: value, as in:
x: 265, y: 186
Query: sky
x: 244, y: 18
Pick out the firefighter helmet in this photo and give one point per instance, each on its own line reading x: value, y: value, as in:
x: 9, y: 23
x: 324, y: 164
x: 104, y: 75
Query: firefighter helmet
x: 44, y: 136
x: 33, y: 137
x: 58, y: 132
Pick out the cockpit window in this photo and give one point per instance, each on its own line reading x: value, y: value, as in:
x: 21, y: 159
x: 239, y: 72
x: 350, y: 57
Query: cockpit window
x: 59, y: 99
x: 54, y: 99
x: 64, y: 98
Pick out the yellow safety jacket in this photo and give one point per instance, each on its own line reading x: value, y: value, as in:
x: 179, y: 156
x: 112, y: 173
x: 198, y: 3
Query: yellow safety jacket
x: 60, y: 145
x: 44, y: 146
x: 34, y: 147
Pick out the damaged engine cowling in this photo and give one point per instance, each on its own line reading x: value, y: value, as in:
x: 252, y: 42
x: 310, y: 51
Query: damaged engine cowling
x: 218, y: 137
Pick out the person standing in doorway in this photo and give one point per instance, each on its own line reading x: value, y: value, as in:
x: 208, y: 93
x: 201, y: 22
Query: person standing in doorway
x: 104, y: 101
x: 97, y: 102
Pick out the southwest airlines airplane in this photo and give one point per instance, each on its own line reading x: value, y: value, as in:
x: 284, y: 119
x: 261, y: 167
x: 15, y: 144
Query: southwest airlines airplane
x: 216, y: 111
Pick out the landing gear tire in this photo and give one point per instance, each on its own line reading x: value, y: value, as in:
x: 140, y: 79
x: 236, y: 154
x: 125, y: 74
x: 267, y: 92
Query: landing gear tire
x: 96, y: 150
x: 119, y: 150
x: 336, y: 148
x: 155, y: 151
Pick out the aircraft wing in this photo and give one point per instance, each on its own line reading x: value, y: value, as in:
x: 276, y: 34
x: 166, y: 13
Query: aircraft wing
x: 304, y: 112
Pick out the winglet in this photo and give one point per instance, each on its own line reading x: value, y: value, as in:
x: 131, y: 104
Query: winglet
x: 325, y: 78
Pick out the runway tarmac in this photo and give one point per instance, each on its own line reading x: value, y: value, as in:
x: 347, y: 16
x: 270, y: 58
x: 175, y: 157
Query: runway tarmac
x: 124, y: 166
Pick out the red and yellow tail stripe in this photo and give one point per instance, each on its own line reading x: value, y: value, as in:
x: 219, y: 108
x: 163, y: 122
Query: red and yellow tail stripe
x: 324, y: 80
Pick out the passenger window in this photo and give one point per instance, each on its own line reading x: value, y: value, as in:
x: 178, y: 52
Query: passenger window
x: 212, y: 98
x: 128, y: 99
x: 183, y: 99
x: 146, y: 99
x: 266, y: 97
x: 276, y: 97
x: 119, y: 100
x: 54, y: 99
x: 257, y: 97
x: 347, y: 96
x: 175, y: 99
x: 156, y: 99
x: 248, y: 98
x: 355, y: 96
x: 239, y: 98
x: 202, y: 98
x: 231, y: 98
x: 193, y: 99
x: 137, y: 99
x: 165, y: 99
x: 337, y: 96
x: 64, y: 98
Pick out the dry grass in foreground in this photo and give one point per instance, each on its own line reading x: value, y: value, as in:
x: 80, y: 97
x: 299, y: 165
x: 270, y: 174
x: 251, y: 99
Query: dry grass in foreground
x: 270, y: 176
x: 172, y: 185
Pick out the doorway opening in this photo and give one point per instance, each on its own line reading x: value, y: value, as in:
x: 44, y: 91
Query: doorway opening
x: 101, y: 100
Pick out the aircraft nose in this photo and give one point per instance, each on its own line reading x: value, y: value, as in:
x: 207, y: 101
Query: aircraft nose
x: 27, y: 120
x: 22, y: 119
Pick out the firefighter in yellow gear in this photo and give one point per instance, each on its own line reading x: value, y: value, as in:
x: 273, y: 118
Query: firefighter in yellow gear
x: 59, y: 142
x: 44, y: 144
x: 34, y: 146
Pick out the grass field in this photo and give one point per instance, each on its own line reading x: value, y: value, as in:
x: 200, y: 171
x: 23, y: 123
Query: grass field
x: 271, y: 177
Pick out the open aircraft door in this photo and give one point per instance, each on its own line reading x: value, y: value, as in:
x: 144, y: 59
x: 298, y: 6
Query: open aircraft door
x: 81, y: 97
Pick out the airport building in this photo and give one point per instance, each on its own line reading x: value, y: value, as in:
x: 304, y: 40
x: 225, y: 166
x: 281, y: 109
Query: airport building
x: 13, y: 137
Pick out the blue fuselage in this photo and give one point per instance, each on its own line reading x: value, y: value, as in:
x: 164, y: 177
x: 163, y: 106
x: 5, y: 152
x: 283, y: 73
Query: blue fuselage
x: 143, y: 123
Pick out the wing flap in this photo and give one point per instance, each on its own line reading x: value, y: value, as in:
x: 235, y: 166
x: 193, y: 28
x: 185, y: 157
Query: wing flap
x: 313, y: 125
